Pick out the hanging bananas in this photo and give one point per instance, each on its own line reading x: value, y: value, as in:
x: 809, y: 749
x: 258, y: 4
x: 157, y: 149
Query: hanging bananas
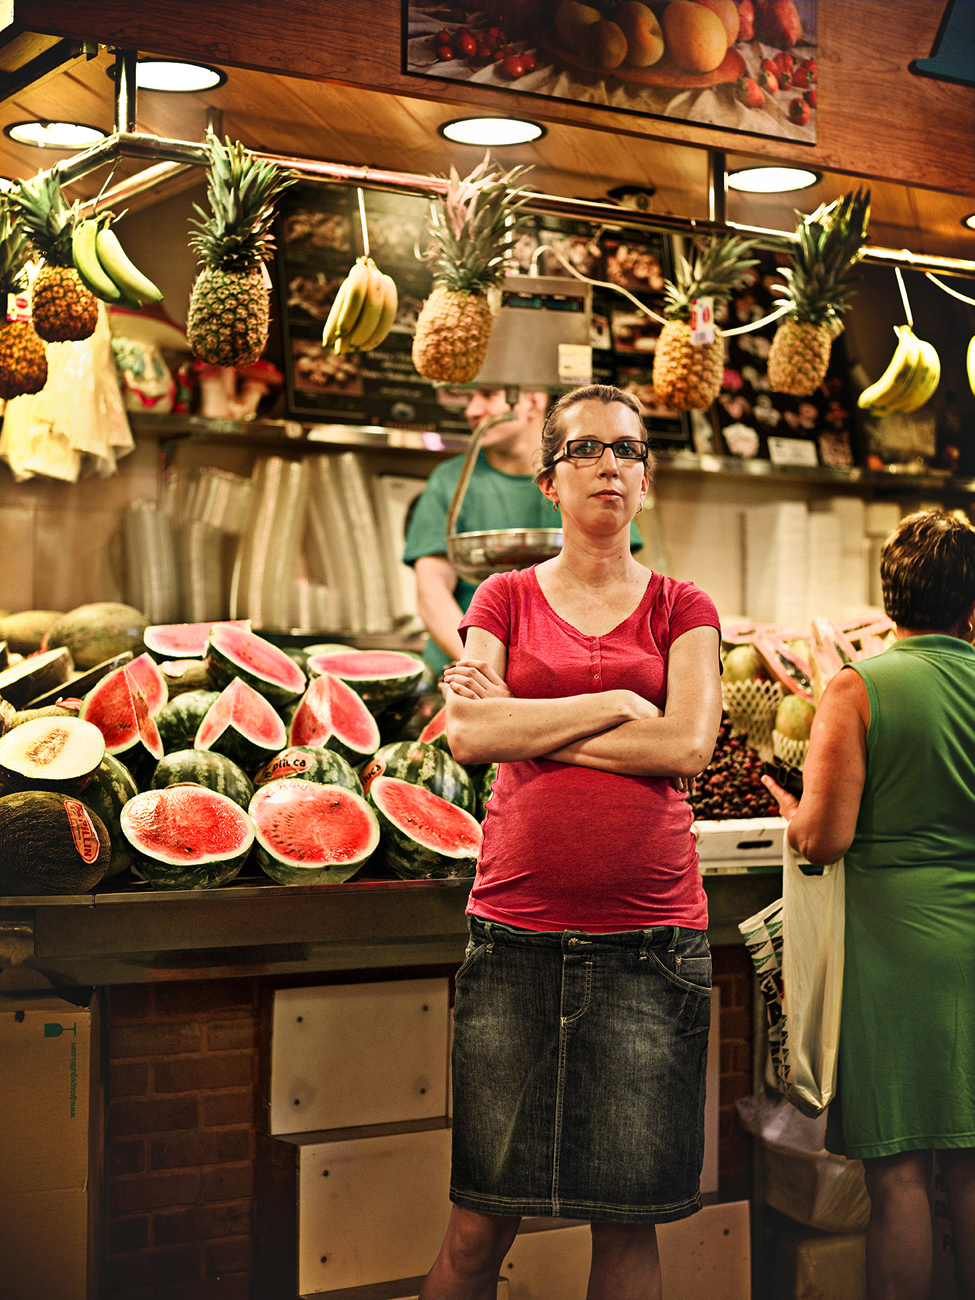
x: 909, y: 380
x: 104, y: 267
x: 363, y: 311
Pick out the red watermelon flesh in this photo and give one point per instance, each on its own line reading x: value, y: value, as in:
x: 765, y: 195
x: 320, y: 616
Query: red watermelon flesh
x: 233, y: 650
x: 437, y: 726
x: 184, y: 824
x: 184, y: 640
x: 365, y: 665
x: 303, y: 824
x: 118, y: 709
x: 432, y: 821
x: 331, y: 710
x: 241, y: 707
x: 150, y: 681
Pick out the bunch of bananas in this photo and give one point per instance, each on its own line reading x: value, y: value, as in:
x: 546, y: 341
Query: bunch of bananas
x: 103, y: 266
x: 363, y: 311
x: 909, y: 380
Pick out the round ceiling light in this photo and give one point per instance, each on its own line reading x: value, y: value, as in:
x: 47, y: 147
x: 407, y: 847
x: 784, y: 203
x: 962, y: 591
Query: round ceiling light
x: 173, y: 77
x: 491, y: 131
x: 969, y: 221
x: 772, y: 180
x: 55, y: 135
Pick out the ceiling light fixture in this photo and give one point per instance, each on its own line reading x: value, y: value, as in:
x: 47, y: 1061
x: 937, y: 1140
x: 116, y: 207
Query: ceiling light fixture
x: 173, y: 77
x: 491, y: 132
x: 55, y: 135
x: 969, y: 221
x: 772, y: 180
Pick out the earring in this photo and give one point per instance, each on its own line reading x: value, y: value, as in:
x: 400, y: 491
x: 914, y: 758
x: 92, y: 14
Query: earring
x: 640, y: 506
x: 555, y: 506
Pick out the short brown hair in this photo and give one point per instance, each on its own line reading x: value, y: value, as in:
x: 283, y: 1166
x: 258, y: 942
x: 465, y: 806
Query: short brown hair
x: 553, y: 433
x: 927, y: 570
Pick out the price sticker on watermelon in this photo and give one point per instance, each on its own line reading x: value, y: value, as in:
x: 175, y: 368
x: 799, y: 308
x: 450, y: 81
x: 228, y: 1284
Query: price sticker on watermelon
x: 702, y: 320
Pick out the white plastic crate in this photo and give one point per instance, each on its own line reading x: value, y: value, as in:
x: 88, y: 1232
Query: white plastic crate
x: 738, y: 843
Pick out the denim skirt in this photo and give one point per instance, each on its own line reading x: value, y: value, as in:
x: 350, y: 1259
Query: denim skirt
x: 579, y: 1065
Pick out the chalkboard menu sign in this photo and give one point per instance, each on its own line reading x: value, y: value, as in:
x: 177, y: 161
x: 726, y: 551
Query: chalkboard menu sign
x: 319, y: 237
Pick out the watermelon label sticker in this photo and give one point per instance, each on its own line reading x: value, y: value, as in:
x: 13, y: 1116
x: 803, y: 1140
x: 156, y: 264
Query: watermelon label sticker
x: 281, y: 767
x: 369, y: 773
x: 83, y: 831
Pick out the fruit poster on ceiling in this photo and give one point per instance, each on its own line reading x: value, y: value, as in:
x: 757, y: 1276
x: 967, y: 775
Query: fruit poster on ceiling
x: 318, y: 239
x: 742, y: 65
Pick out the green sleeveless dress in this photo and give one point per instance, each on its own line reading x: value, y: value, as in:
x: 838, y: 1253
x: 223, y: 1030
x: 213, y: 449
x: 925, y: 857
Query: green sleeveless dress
x: 907, y: 1042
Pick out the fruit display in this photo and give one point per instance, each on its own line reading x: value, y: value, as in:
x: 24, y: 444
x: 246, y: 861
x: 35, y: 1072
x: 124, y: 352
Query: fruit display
x: 63, y: 308
x: 910, y: 379
x: 687, y: 375
x: 819, y: 284
x: 731, y: 784
x: 229, y: 308
x: 473, y: 228
x: 104, y: 267
x: 23, y: 357
x: 363, y: 311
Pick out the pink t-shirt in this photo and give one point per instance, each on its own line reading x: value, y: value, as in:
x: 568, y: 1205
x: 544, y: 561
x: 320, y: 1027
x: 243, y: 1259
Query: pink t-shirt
x: 569, y: 847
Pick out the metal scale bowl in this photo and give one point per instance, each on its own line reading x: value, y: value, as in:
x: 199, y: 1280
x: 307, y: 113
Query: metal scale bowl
x: 475, y: 556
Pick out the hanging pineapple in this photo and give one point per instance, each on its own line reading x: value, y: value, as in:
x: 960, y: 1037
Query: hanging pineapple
x: 687, y: 376
x: 62, y: 308
x: 23, y: 357
x: 818, y: 288
x: 229, y: 310
x: 473, y: 228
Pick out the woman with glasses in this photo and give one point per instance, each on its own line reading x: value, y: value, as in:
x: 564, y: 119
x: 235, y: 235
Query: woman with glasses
x: 583, y: 1005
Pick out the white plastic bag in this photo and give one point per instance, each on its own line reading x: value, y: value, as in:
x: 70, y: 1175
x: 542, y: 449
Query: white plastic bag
x: 797, y: 947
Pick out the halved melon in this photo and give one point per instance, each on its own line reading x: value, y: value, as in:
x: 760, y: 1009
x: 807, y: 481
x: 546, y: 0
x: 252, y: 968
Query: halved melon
x: 183, y: 640
x: 186, y: 837
x: 423, y: 836
x: 331, y: 715
x: 35, y: 675
x: 234, y: 652
x: 379, y: 676
x: 150, y: 681
x: 243, y: 725
x: 118, y: 709
x: 311, y: 834
x: 52, y: 753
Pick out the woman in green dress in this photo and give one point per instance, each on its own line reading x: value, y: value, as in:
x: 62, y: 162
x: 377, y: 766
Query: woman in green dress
x: 889, y: 783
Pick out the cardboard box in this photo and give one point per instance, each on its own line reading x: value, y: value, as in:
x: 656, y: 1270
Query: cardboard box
x: 47, y: 1225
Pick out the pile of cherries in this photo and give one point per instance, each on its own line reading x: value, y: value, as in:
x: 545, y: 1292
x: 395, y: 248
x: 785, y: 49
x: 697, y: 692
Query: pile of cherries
x: 731, y: 785
x: 487, y: 45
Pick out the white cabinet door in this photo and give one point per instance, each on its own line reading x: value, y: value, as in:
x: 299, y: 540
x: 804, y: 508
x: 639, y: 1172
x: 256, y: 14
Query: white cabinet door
x: 345, y: 1055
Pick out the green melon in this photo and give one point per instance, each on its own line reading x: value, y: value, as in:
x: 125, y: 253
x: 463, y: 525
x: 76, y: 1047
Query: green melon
x: 203, y: 767
x: 426, y: 765
x: 423, y: 836
x: 25, y: 631
x: 109, y: 790
x: 308, y: 764
x: 97, y: 632
x: 178, y: 721
x: 483, y: 777
x: 50, y: 844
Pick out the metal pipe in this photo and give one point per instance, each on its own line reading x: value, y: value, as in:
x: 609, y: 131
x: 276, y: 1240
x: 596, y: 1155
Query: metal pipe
x: 125, y: 90
x: 131, y: 144
x: 138, y: 184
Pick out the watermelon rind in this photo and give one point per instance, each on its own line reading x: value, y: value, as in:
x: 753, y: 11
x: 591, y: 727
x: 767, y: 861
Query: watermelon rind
x: 50, y: 753
x: 206, y: 768
x: 118, y: 709
x: 109, y: 790
x: 330, y: 715
x: 183, y: 640
x: 426, y: 765
x: 242, y: 725
x: 98, y: 631
x: 178, y: 721
x: 378, y: 676
x: 307, y: 764
x: 423, y: 837
x: 187, y: 837
x: 145, y: 672
x: 311, y: 834
x: 234, y: 652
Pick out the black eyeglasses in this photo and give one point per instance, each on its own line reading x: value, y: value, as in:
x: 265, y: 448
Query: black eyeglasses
x: 588, y: 450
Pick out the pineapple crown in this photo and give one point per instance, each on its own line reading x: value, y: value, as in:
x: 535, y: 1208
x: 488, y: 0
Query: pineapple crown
x: 718, y: 269
x: 829, y: 243
x: 473, y: 227
x: 47, y: 219
x: 13, y: 248
x: 241, y: 189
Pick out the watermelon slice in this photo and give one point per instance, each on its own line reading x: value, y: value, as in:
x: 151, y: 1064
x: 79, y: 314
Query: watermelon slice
x: 435, y: 732
x: 118, y: 709
x: 204, y: 767
x: 311, y: 834
x: 186, y: 837
x: 306, y: 764
x: 183, y: 640
x: 379, y: 676
x: 150, y: 682
x: 332, y: 716
x: 234, y: 652
x: 423, y: 836
x: 243, y: 726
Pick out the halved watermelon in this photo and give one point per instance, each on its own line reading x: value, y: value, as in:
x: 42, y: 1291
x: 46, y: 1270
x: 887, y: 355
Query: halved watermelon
x: 204, y: 767
x: 52, y: 753
x: 186, y: 837
x: 435, y: 732
x: 234, y: 652
x: 179, y: 720
x: 331, y: 715
x: 423, y: 836
x: 118, y: 709
x: 150, y: 682
x: 106, y: 794
x: 306, y: 764
x: 311, y: 834
x: 379, y: 676
x: 242, y: 725
x: 421, y: 764
x: 183, y: 640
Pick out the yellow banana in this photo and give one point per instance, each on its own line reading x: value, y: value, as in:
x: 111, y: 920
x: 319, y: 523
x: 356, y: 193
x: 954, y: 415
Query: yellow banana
x: 386, y: 319
x: 970, y: 361
x: 372, y: 308
x: 884, y: 396
x: 335, y: 311
x: 117, y: 266
x: 86, y: 262
x: 355, y: 296
x: 923, y: 387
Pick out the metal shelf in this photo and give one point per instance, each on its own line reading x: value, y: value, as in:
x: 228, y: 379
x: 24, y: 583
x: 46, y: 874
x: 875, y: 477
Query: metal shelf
x: 896, y: 478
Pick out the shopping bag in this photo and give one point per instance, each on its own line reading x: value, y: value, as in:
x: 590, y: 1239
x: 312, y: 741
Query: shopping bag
x: 797, y: 948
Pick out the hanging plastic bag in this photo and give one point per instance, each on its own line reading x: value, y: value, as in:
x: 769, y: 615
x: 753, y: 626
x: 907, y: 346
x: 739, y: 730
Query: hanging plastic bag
x: 799, y: 962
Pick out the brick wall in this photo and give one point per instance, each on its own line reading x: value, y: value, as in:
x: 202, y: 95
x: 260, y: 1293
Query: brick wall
x: 182, y: 1123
